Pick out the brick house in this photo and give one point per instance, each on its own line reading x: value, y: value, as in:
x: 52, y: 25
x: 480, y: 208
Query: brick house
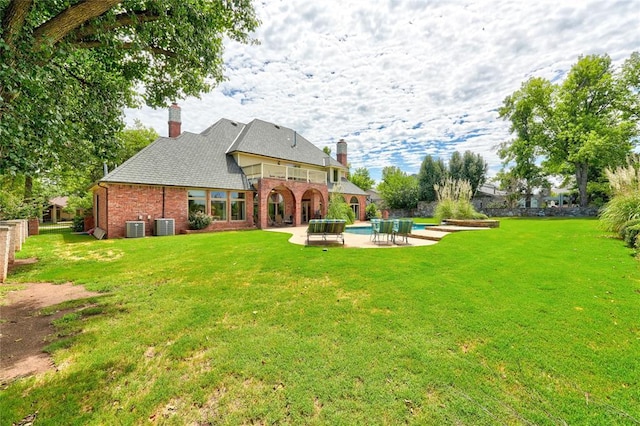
x: 244, y: 176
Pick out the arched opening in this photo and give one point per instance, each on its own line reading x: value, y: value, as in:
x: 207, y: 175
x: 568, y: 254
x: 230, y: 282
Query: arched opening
x: 276, y: 208
x: 280, y: 207
x: 355, y: 206
x: 312, y: 205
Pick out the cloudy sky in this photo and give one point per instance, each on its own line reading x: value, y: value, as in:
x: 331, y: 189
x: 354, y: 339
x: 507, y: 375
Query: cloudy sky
x: 400, y: 79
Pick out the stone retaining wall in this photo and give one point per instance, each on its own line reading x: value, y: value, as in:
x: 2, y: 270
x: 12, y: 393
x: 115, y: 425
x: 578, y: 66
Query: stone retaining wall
x: 4, y: 252
x: 427, y: 210
x: 543, y: 212
x: 13, y: 233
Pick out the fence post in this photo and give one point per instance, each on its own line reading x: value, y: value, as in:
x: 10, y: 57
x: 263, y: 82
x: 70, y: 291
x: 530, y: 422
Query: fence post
x: 34, y: 226
x: 11, y: 238
x: 4, y: 252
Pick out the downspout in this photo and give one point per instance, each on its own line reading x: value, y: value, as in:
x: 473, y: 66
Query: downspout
x: 164, y: 188
x: 106, y: 205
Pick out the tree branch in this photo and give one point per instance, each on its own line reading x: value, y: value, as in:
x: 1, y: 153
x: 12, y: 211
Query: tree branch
x: 55, y: 29
x: 152, y: 49
x: 14, y: 17
x: 122, y: 20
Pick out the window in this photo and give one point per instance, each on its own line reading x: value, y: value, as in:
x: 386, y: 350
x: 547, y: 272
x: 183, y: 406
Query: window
x: 335, y: 175
x: 197, y: 201
x: 218, y: 205
x: 355, y: 206
x: 238, y: 210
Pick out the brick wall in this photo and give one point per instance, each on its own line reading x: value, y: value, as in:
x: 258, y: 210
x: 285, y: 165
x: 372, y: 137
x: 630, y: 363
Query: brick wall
x: 118, y: 204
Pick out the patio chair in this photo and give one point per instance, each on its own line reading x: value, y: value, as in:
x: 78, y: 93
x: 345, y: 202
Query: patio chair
x: 385, y: 231
x: 403, y: 230
x: 375, y: 229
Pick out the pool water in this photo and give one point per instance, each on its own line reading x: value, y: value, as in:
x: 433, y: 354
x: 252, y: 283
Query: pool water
x: 366, y: 230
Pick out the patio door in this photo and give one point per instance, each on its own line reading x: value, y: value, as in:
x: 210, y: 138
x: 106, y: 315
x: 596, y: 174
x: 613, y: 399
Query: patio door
x: 276, y: 207
x: 306, y: 211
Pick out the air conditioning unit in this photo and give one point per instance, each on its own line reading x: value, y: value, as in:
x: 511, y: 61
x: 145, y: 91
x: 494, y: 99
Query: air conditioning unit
x: 164, y: 227
x: 135, y: 229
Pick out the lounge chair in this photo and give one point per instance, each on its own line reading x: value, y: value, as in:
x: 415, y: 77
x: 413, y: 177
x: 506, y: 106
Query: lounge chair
x: 325, y: 227
x: 403, y: 230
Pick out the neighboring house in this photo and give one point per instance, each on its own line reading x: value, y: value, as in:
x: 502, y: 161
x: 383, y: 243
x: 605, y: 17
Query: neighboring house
x: 242, y: 175
x: 374, y: 197
x: 488, y: 195
x: 55, y: 211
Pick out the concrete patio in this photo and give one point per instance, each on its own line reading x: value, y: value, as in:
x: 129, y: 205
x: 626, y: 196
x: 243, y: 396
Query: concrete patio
x: 419, y: 237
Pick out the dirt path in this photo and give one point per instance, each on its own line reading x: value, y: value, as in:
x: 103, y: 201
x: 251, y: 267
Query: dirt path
x: 23, y: 332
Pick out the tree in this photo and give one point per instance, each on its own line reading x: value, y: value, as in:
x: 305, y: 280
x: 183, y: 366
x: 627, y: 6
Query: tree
x: 456, y: 166
x: 474, y: 170
x: 129, y: 142
x: 338, y: 207
x: 398, y: 190
x: 524, y: 108
x: 69, y: 68
x: 362, y: 179
x: 583, y: 125
x: 432, y: 172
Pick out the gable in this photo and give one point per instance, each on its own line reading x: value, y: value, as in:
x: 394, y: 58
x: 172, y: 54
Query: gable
x: 277, y: 142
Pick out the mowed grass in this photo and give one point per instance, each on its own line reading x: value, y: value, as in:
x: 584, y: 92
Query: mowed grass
x: 536, y: 322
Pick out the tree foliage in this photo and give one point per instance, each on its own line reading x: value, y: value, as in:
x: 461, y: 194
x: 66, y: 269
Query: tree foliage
x: 338, y: 207
x: 578, y: 127
x: 468, y: 166
x: 362, y: 179
x: 432, y: 172
x: 67, y: 69
x: 397, y: 189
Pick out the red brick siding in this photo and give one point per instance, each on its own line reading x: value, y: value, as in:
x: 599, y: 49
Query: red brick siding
x: 100, y: 208
x: 122, y: 203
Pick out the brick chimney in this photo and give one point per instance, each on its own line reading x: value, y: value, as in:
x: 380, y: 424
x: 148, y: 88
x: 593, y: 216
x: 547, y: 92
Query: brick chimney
x: 342, y: 152
x: 175, y: 121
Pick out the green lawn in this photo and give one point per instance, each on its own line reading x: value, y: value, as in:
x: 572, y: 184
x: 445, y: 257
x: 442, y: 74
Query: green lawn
x: 536, y: 322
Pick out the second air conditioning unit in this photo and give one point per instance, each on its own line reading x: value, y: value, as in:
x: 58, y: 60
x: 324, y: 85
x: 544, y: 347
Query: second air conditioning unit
x: 164, y: 227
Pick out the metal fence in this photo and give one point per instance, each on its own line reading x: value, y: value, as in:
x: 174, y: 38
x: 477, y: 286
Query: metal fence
x: 55, y: 228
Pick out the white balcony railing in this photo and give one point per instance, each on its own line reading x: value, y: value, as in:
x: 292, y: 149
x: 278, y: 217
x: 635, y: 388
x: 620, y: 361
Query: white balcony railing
x: 275, y: 171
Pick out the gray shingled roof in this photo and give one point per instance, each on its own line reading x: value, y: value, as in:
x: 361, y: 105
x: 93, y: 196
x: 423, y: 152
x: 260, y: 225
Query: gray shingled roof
x: 190, y: 160
x: 270, y: 140
x: 203, y: 160
x: 348, y: 187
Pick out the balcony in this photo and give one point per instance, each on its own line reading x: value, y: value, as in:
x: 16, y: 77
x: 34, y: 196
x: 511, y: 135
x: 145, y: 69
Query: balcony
x: 274, y: 171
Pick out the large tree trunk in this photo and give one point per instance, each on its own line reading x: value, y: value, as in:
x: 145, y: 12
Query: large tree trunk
x: 582, y: 170
x: 28, y: 188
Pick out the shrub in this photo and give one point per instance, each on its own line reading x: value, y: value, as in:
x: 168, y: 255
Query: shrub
x: 199, y: 220
x: 454, y: 201
x: 338, y: 207
x: 625, y: 204
x: 445, y: 210
x: 619, y: 210
x: 631, y: 235
x: 78, y: 224
x: 628, y: 224
x: 372, y: 212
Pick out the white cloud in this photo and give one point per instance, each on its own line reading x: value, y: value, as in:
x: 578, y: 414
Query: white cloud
x: 399, y: 79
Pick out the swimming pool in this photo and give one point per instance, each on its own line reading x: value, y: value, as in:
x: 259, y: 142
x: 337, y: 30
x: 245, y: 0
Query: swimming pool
x: 366, y: 229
